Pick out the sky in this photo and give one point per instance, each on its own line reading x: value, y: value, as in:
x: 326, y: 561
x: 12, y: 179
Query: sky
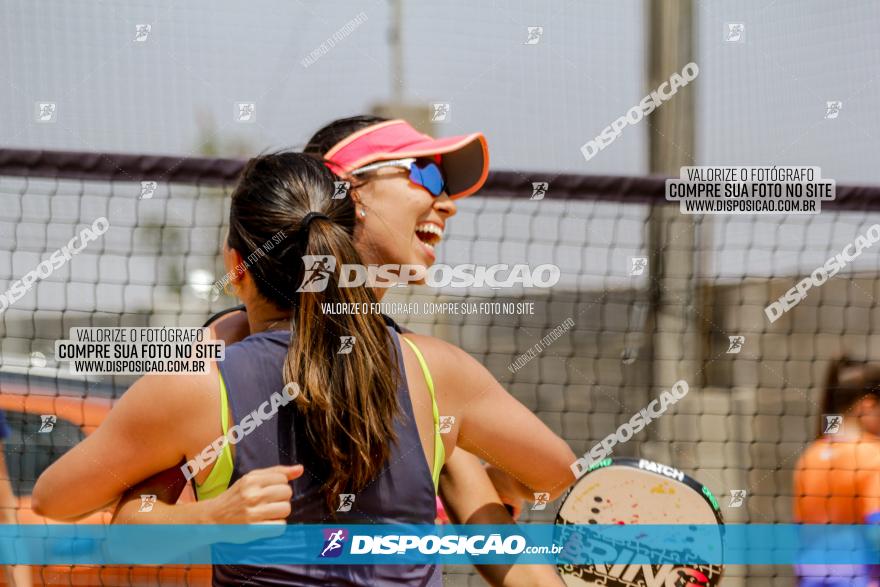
x: 759, y: 101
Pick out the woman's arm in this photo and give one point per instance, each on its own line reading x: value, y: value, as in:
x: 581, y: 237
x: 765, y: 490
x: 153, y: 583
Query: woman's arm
x: 493, y: 425
x: 158, y: 421
x: 264, y: 506
x: 260, y: 496
x: 153, y: 423
x: 167, y: 486
x: 470, y: 498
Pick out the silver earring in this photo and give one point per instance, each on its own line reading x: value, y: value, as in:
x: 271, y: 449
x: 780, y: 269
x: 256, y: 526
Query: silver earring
x: 363, y: 213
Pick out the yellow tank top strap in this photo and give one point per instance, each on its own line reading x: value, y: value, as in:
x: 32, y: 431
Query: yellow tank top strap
x: 439, y: 449
x: 220, y: 476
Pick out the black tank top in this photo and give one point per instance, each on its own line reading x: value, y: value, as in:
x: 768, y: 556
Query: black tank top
x: 403, y: 493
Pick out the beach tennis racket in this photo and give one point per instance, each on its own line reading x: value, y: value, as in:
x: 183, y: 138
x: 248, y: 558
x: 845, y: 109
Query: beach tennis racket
x: 624, y: 491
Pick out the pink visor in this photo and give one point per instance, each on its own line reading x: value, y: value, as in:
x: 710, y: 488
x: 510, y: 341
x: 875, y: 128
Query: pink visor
x: 464, y: 159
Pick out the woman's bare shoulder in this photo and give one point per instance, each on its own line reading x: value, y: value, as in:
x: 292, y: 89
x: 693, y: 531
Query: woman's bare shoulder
x: 447, y: 362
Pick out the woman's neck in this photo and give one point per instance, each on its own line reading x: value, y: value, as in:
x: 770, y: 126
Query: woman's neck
x: 262, y: 317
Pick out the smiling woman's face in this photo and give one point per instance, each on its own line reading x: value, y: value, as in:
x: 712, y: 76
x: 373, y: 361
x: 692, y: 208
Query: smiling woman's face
x: 402, y: 223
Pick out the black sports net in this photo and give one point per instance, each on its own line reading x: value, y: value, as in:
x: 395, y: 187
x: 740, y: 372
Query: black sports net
x: 646, y: 297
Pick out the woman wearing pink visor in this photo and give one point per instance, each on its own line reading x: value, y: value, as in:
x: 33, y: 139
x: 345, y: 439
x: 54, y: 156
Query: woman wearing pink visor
x: 460, y: 164
x: 404, y: 183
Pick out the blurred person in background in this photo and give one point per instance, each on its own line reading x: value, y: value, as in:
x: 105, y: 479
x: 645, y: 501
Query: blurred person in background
x: 837, y: 479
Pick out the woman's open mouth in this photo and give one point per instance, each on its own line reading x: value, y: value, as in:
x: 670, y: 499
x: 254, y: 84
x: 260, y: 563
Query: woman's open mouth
x: 429, y: 234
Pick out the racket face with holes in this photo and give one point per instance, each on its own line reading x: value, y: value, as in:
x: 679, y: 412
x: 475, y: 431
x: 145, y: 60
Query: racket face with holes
x: 638, y: 491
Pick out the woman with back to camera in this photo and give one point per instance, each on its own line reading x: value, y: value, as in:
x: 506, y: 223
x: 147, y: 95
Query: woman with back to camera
x: 387, y: 236
x: 837, y: 479
x: 354, y: 428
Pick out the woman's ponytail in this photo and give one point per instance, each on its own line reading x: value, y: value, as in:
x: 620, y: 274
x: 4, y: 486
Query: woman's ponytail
x: 344, y: 362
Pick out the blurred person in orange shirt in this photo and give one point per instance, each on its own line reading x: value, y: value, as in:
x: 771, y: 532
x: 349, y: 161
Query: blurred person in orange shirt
x: 837, y: 479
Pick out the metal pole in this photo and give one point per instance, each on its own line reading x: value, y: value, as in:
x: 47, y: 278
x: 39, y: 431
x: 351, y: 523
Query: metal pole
x: 394, y: 38
x: 676, y: 324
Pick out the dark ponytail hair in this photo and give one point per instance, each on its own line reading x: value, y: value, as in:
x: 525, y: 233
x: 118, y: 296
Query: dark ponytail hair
x: 349, y: 401
x: 846, y: 383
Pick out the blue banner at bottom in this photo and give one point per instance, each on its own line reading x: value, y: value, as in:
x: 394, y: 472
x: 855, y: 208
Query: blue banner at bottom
x: 428, y: 544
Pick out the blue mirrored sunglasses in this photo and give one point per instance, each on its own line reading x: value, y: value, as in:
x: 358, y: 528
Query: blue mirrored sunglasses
x: 421, y: 172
